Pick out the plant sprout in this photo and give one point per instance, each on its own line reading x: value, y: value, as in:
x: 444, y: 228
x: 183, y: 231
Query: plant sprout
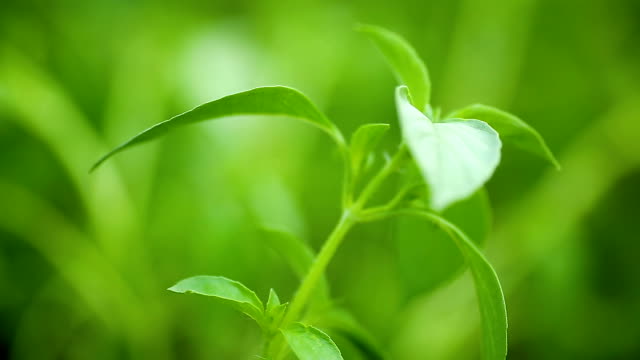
x: 454, y: 156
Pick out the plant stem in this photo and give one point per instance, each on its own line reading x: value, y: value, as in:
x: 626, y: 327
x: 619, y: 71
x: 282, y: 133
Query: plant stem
x: 347, y: 220
x: 350, y: 216
x: 377, y: 180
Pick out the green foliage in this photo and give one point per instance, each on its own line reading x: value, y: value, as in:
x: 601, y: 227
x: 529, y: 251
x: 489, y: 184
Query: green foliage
x: 363, y: 142
x: 274, y: 312
x: 472, y: 215
x: 405, y: 63
x: 271, y: 100
x: 455, y: 158
x: 298, y: 256
x: 488, y: 290
x: 511, y: 128
x: 340, y: 321
x: 227, y: 290
x: 309, y: 343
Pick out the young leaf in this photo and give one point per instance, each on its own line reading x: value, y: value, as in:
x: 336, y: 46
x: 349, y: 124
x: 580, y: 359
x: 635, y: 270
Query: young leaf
x: 309, y: 343
x: 271, y: 100
x: 274, y: 311
x: 230, y: 291
x: 455, y: 157
x: 273, y: 301
x: 363, y: 141
x: 493, y: 310
x: 511, y: 129
x: 404, y: 61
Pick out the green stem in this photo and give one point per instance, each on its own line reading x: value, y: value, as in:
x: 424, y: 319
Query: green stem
x: 318, y: 267
x: 377, y: 180
x: 350, y: 216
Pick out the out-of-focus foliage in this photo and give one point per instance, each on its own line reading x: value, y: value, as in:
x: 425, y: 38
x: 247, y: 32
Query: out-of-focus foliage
x: 85, y: 259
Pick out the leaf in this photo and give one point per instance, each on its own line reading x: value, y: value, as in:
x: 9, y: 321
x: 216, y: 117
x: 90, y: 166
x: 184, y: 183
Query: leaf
x: 493, y: 312
x: 271, y: 100
x: 363, y: 142
x: 228, y: 290
x: 340, y: 321
x: 298, y: 256
x: 273, y: 301
x: 407, y: 66
x: 309, y: 343
x: 455, y: 157
x: 274, y: 311
x: 425, y: 266
x: 511, y: 129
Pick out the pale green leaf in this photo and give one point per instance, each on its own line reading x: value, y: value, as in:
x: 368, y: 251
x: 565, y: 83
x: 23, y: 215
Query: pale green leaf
x: 491, y: 302
x: 271, y: 100
x: 511, y: 128
x: 225, y: 289
x: 363, y: 142
x: 455, y: 157
x: 409, y: 69
x: 309, y: 343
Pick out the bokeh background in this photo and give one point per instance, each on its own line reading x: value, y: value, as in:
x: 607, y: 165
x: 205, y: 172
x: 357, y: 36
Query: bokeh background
x: 85, y: 259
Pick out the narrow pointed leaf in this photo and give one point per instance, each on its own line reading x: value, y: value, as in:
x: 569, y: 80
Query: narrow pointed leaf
x: 274, y: 311
x: 271, y: 100
x: 511, y: 128
x: 309, y: 343
x: 273, y: 300
x: 455, y: 157
x: 409, y: 69
x: 493, y: 311
x: 363, y: 142
x: 232, y: 292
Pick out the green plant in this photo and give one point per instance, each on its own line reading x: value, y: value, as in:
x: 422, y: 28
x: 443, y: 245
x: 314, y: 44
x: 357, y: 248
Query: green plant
x: 452, y: 155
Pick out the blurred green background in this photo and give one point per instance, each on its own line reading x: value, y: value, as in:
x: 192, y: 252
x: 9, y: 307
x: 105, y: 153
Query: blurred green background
x: 85, y: 259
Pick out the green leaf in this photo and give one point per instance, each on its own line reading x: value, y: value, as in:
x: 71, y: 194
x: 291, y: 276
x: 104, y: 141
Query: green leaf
x: 298, y: 256
x: 230, y: 291
x: 309, y: 343
x: 493, y: 312
x: 363, y: 142
x: 340, y: 322
x: 511, y: 129
x: 427, y: 265
x: 271, y: 100
x: 275, y: 311
x: 455, y: 157
x: 407, y: 66
x: 295, y: 252
x: 273, y: 301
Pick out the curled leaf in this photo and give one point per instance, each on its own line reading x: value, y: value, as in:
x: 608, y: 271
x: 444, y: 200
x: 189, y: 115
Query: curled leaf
x: 455, y: 157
